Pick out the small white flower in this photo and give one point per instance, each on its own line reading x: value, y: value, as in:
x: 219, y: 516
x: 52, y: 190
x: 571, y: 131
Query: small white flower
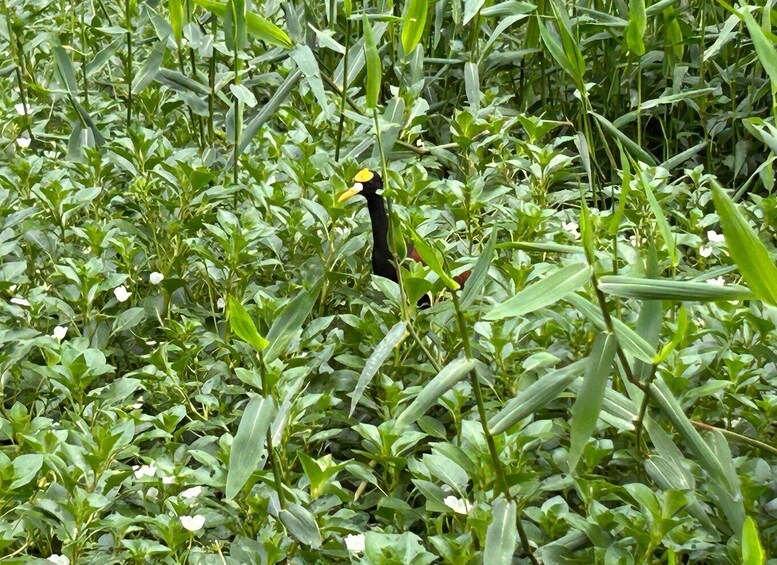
x: 145, y: 471
x: 138, y: 404
x: 168, y: 480
x: 221, y: 304
x: 193, y: 523
x: 457, y: 504
x: 156, y: 278
x: 59, y: 333
x: 420, y: 142
x: 715, y: 237
x: 705, y: 251
x: 22, y: 109
x: 193, y: 492
x: 633, y: 241
x: 354, y: 542
x: 50, y: 154
x: 121, y: 293
x: 23, y: 141
x: 571, y: 228
x: 719, y: 281
x: 151, y: 343
x: 153, y: 492
x: 19, y: 301
x: 58, y: 559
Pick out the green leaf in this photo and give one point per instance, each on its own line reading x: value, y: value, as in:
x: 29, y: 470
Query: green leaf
x: 289, y: 321
x: 431, y: 257
x: 502, y: 535
x: 25, y: 469
x: 413, y: 24
x: 747, y: 251
x: 472, y: 85
x: 257, y: 26
x: 586, y: 409
x: 764, y: 47
x: 243, y: 326
x: 301, y: 524
x: 471, y: 9
x: 451, y: 374
x: 477, y: 278
x: 663, y: 224
x: 666, y: 289
x: 628, y: 338
x: 548, y: 291
x: 306, y: 62
x: 177, y: 19
x: 249, y: 443
x: 536, y: 396
x: 631, y: 146
x: 393, y: 338
x: 374, y: 66
x: 150, y: 68
x: 752, y: 552
x: 637, y: 26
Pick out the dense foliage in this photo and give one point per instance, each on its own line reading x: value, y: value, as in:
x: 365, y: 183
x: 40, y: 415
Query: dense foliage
x: 197, y: 365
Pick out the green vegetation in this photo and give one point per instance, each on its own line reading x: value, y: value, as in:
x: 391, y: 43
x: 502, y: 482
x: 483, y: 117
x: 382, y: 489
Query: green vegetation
x: 197, y: 364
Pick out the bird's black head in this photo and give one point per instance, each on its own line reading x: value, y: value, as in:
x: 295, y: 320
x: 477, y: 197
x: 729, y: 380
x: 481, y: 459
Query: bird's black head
x: 366, y: 182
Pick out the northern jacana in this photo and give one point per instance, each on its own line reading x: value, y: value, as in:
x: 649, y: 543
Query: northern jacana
x: 369, y: 184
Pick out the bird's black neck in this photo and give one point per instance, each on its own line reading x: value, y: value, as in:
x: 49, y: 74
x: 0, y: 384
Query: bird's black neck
x: 381, y: 254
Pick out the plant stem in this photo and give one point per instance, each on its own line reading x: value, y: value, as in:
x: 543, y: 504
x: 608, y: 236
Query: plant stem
x: 639, y: 424
x: 341, y: 125
x: 738, y: 437
x: 501, y: 481
x: 128, y: 64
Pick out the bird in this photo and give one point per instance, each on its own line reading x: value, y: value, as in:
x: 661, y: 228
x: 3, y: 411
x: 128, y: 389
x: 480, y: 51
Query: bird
x: 369, y: 184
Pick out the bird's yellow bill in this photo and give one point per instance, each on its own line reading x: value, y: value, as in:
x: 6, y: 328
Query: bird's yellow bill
x: 353, y: 191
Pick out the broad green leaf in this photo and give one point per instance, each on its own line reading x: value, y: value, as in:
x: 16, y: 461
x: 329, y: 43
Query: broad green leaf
x: 150, y: 68
x: 548, y: 291
x: 586, y: 409
x: 747, y: 251
x: 66, y: 70
x: 25, y: 468
x: 663, y: 224
x: 301, y: 524
x: 374, y: 66
x: 666, y: 289
x: 413, y: 24
x: 471, y: 8
x: 257, y: 26
x: 631, y: 342
x: 477, y: 279
x: 536, y: 396
x: 249, y: 443
x: 502, y: 535
x: 180, y: 82
x: 431, y: 257
x: 243, y: 326
x: 752, y: 551
x: 451, y: 374
x: 128, y: 320
x: 289, y: 321
x: 393, y: 338
x: 637, y: 26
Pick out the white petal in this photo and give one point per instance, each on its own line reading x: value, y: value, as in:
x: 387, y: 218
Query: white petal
x: 58, y: 559
x: 457, y: 505
x: 59, y: 333
x: 20, y: 109
x: 715, y: 237
x: 705, y: 251
x: 354, y: 542
x: 23, y: 141
x: 121, y: 293
x: 193, y: 492
x: 156, y: 278
x: 220, y: 304
x: 193, y: 523
x: 19, y: 301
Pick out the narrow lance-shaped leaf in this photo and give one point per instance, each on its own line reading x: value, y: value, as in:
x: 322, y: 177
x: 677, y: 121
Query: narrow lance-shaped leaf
x: 586, y: 409
x: 249, y: 443
x: 374, y: 68
x: 150, y: 68
x: 549, y: 290
x: 430, y: 256
x: 257, y: 26
x: 752, y: 551
x: 243, y: 326
x: 451, y: 374
x: 764, y: 47
x: 663, y: 224
x: 477, y: 279
x: 501, y: 536
x: 289, y: 321
x: 666, y: 289
x: 413, y: 24
x: 301, y: 524
x: 536, y: 396
x: 177, y: 19
x: 750, y: 255
x: 393, y: 338
x: 637, y: 26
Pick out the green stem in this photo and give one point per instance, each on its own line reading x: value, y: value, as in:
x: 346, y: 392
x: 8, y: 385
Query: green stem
x: 341, y: 125
x: 128, y: 64
x: 501, y: 481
